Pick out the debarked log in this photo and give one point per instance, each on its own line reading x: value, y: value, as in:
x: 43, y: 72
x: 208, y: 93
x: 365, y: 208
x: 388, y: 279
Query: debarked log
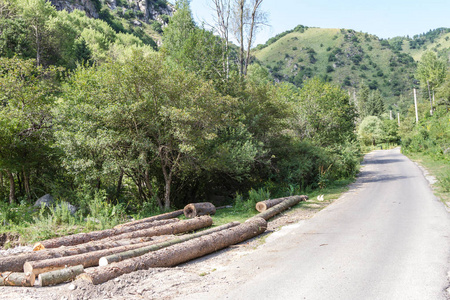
x: 60, y: 276
x: 17, y: 279
x: 284, y: 205
x: 81, y: 238
x: 179, y: 253
x: 14, y: 263
x: 169, y: 215
x: 199, y: 209
x: 104, y: 261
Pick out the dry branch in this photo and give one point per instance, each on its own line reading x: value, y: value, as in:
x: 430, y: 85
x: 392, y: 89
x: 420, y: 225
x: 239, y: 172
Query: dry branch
x: 14, y: 263
x: 60, y: 276
x: 287, y: 203
x: 17, y: 279
x: 199, y: 209
x: 81, y: 238
x: 168, y: 215
x: 179, y: 253
x: 141, y: 251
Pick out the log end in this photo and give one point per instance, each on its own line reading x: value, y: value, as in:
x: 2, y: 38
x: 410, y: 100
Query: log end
x: 85, y: 277
x: 103, y: 261
x: 27, y: 267
x: 190, y: 211
x: 261, y: 206
x: 31, y: 278
x: 38, y: 246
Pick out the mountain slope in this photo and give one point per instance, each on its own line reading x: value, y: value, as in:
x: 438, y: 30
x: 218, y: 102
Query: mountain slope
x: 343, y: 56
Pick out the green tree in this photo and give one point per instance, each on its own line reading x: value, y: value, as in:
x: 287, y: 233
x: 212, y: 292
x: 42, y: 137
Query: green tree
x: 431, y: 72
x: 370, y: 131
x: 375, y: 104
x: 153, y: 120
x: 325, y: 114
x: 26, y: 95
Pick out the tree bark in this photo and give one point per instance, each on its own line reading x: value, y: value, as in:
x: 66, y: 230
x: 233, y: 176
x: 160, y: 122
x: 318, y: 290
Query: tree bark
x: 12, y: 187
x: 179, y: 253
x: 265, y: 205
x: 141, y: 251
x: 168, y: 215
x: 60, y: 276
x: 289, y: 202
x: 81, y: 238
x: 26, y: 183
x: 199, y: 209
x: 175, y: 228
x: 14, y: 263
x: 17, y: 279
x: 119, y: 184
x: 88, y: 259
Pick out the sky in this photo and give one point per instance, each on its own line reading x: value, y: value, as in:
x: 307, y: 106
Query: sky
x: 383, y: 18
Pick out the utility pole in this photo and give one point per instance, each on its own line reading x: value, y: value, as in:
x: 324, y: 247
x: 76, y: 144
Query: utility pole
x: 415, y: 104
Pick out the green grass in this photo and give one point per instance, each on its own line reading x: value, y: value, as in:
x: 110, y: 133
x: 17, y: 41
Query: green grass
x: 439, y: 169
x: 242, y: 213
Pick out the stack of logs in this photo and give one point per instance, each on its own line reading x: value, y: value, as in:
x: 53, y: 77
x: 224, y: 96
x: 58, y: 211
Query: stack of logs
x: 99, y: 256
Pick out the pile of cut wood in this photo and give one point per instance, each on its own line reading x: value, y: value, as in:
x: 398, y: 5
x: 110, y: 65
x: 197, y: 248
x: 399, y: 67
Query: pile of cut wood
x: 99, y: 256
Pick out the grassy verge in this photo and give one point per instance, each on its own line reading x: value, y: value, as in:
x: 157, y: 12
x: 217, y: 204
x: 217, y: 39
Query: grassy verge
x: 23, y: 224
x: 440, y: 169
x: 246, y: 208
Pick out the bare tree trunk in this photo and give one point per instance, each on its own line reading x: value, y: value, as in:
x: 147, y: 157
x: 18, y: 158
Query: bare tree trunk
x: 150, y: 190
x: 241, y: 20
x: 26, y: 183
x: 12, y: 187
x: 119, y: 184
x: 429, y: 96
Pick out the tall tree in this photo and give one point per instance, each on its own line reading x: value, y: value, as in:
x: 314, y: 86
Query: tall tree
x: 248, y: 18
x: 26, y: 96
x: 36, y: 13
x: 431, y: 72
x: 222, y: 20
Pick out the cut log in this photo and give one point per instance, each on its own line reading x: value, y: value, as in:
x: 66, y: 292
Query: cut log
x: 89, y: 259
x: 104, y: 261
x: 17, y: 279
x: 266, y: 204
x: 168, y: 215
x: 14, y: 263
x: 179, y: 253
x: 60, y: 276
x: 175, y: 228
x: 81, y: 238
x: 284, y: 205
x: 199, y: 209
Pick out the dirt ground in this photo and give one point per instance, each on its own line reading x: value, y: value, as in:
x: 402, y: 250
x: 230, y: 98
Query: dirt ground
x: 195, y: 277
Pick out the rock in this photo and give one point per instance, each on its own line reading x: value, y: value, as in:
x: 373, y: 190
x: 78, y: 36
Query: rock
x: 72, y: 209
x: 137, y: 23
x: 46, y: 200
x: 72, y: 287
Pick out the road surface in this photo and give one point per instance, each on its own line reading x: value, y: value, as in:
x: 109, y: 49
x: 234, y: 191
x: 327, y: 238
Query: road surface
x: 387, y: 238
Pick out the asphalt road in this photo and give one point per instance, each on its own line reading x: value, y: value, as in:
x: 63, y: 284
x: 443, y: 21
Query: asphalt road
x: 387, y: 238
